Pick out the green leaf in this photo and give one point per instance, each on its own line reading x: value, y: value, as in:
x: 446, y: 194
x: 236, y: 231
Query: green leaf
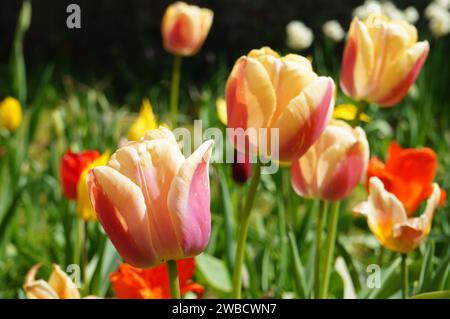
x: 443, y: 294
x: 299, y: 272
x: 214, y: 272
x: 426, y: 270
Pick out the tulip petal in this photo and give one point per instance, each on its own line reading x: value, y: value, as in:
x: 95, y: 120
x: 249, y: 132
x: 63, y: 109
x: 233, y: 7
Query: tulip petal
x: 189, y: 201
x: 399, y: 76
x: 121, y: 209
x: 410, y: 233
x: 357, y: 61
x: 37, y: 289
x: 62, y: 284
x: 249, y: 91
x: 413, y: 171
x: 305, y: 119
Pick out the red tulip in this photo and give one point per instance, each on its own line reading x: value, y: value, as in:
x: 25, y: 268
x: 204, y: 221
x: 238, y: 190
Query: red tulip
x: 71, y: 167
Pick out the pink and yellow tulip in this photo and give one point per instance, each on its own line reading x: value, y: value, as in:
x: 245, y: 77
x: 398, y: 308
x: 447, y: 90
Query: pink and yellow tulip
x: 185, y: 27
x: 334, y: 165
x: 381, y: 60
x: 265, y: 91
x: 388, y: 220
x: 153, y: 203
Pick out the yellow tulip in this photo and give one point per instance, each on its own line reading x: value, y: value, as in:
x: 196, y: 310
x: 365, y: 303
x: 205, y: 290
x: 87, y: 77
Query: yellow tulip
x: 58, y: 286
x: 381, y: 60
x: 84, y: 207
x: 348, y: 112
x: 221, y: 108
x: 389, y: 222
x: 10, y: 113
x: 146, y: 121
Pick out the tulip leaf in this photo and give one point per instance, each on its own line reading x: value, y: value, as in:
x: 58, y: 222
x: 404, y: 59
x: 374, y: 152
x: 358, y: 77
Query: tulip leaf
x: 214, y: 272
x: 299, y: 273
x: 426, y: 270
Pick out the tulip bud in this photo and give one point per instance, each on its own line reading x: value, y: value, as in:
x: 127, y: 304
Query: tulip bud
x: 154, y: 203
x: 241, y: 167
x: 266, y: 91
x: 185, y: 27
x: 381, y: 60
x: 334, y: 165
x: 10, y: 114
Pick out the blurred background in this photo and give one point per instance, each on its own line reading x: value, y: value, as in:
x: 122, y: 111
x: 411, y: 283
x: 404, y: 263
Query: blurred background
x: 120, y: 41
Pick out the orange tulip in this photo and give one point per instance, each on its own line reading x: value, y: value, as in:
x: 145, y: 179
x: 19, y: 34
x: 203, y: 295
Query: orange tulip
x: 334, y: 165
x: 408, y: 174
x: 185, y: 27
x: 381, y: 60
x: 266, y: 91
x: 387, y: 218
x: 134, y: 283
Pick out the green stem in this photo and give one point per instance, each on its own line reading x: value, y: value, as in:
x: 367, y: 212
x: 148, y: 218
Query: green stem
x: 80, y: 257
x: 362, y: 105
x: 329, y: 248
x: 319, y: 227
x: 174, y: 90
x: 173, y: 279
x: 242, y: 232
x: 405, y: 276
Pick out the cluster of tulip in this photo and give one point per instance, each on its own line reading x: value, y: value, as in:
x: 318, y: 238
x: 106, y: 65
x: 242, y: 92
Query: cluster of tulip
x: 154, y: 204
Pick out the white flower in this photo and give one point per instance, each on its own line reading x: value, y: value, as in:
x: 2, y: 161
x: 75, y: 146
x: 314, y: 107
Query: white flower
x: 411, y: 15
x: 299, y: 36
x: 434, y: 10
x: 389, y: 9
x: 333, y: 30
x: 445, y: 4
x: 440, y: 23
x: 370, y: 6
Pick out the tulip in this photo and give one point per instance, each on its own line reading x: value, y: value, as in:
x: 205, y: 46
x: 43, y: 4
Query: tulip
x: 267, y: 91
x: 84, y: 207
x: 58, y: 286
x: 71, y: 167
x: 152, y: 202
x: 408, y: 174
x: 10, y: 113
x: 185, y: 27
x: 146, y: 121
x: 134, y: 283
x: 334, y: 165
x: 388, y: 220
x: 381, y: 60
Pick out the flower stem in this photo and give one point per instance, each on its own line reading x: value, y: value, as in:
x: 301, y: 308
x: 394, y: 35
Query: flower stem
x: 174, y: 90
x: 173, y: 279
x: 319, y: 228
x: 405, y: 276
x: 362, y: 105
x: 329, y: 249
x: 242, y: 232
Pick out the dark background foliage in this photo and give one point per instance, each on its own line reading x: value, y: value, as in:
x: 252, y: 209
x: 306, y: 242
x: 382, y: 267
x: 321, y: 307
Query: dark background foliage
x: 120, y: 41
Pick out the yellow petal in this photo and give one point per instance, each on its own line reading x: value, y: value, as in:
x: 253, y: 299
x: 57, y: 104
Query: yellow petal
x: 62, y: 284
x: 348, y: 112
x: 10, y: 113
x: 84, y: 206
x: 221, y: 107
x: 146, y: 121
